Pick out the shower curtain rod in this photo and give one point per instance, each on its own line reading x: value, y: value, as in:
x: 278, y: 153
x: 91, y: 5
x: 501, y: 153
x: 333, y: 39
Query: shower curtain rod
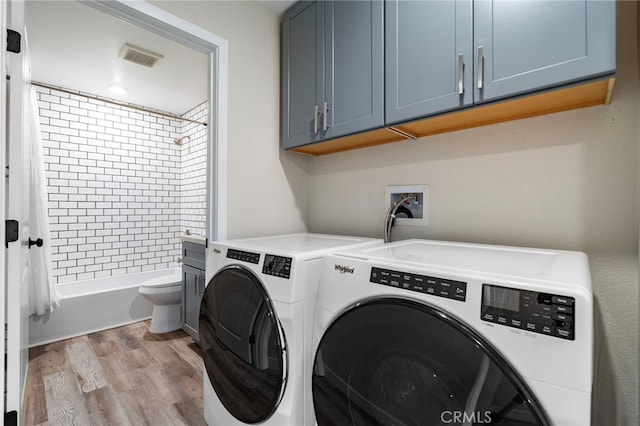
x: 122, y: 104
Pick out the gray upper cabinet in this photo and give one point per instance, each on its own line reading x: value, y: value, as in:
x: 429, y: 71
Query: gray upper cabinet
x: 429, y: 62
x: 332, y: 70
x: 524, y: 46
x: 444, y: 55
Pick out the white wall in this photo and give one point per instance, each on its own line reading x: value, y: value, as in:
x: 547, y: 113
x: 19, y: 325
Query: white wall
x: 267, y: 186
x: 565, y: 181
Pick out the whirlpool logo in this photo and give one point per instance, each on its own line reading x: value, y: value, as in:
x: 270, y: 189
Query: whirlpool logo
x: 344, y: 269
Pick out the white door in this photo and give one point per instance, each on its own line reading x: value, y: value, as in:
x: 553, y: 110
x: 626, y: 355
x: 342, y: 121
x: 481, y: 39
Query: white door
x: 17, y: 208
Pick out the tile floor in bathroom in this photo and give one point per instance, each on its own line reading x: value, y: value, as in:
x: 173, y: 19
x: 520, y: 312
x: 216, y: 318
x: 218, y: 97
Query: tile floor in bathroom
x: 123, y: 376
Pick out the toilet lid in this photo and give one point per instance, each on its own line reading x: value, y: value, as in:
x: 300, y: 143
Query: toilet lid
x: 163, y: 281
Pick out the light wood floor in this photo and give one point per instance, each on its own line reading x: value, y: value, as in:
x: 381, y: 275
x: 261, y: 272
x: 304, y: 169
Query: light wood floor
x: 122, y: 376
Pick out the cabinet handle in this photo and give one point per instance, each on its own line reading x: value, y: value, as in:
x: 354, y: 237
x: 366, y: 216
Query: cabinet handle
x: 480, y: 67
x: 315, y: 120
x: 460, y: 74
x: 325, y: 110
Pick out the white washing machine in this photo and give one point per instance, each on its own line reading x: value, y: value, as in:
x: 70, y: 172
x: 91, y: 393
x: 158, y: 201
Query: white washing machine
x: 423, y: 332
x: 255, y: 324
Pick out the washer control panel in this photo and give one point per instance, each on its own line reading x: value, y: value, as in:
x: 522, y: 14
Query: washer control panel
x: 542, y: 313
x: 277, y: 266
x: 443, y: 287
x: 245, y: 256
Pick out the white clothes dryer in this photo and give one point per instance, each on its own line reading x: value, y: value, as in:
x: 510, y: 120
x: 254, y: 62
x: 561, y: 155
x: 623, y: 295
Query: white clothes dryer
x: 424, y: 332
x: 255, y: 322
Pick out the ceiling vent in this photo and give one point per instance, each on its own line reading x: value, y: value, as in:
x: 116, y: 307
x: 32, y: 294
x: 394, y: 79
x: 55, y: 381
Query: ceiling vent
x: 139, y: 56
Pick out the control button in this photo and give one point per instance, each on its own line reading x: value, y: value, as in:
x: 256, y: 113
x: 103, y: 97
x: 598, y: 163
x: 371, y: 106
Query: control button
x: 394, y: 283
x: 547, y: 329
x: 563, y: 317
x: 431, y: 290
x: 545, y: 298
x: 502, y: 320
x: 531, y: 326
x: 445, y: 284
x: 547, y: 309
x: 487, y: 316
x: 416, y: 287
x: 564, y: 309
x: 384, y: 273
x: 561, y: 300
x: 445, y: 293
x: 516, y: 323
x: 564, y: 333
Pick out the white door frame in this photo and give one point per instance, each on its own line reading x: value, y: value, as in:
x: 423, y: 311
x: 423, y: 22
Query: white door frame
x: 161, y: 22
x: 3, y: 147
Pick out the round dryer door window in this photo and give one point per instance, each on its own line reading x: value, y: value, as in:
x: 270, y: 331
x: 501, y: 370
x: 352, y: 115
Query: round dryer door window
x: 398, y: 362
x: 243, y: 345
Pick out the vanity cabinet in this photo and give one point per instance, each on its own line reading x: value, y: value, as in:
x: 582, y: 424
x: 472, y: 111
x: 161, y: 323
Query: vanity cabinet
x: 445, y: 55
x: 193, y: 285
x: 332, y: 65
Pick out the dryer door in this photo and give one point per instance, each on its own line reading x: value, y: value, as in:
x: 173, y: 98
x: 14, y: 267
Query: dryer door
x: 399, y: 362
x: 243, y: 344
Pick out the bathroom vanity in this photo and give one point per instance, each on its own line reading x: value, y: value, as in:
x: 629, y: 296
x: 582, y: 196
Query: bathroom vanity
x: 193, y: 284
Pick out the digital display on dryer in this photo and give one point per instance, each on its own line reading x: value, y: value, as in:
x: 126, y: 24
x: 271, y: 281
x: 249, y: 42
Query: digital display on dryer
x: 501, y: 298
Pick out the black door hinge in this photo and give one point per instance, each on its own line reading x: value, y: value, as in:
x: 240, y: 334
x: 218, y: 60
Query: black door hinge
x: 13, y: 41
x: 11, y: 418
x: 11, y: 232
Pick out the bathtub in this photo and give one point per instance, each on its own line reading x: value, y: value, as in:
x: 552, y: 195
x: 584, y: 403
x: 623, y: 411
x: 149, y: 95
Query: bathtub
x: 94, y: 305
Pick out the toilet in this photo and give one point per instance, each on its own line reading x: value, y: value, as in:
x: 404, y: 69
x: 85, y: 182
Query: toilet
x: 165, y: 293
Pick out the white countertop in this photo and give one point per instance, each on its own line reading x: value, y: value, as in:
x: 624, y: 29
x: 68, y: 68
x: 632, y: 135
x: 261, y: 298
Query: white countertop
x: 196, y: 239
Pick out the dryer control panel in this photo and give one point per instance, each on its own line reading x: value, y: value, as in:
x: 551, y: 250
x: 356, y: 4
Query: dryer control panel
x: 245, y: 256
x: 542, y: 313
x: 443, y: 287
x: 278, y: 266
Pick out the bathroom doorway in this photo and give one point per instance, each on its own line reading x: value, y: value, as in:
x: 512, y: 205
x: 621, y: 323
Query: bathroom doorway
x: 215, y: 48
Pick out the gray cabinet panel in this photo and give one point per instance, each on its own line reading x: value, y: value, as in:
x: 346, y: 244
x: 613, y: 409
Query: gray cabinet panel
x: 532, y: 45
x: 354, y: 66
x: 333, y: 54
x: 193, y: 288
x: 424, y: 43
x: 302, y: 70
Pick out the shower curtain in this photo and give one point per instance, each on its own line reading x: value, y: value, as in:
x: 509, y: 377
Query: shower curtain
x: 43, y: 296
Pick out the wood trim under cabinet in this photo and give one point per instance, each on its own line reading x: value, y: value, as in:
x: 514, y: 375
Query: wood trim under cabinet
x: 574, y: 97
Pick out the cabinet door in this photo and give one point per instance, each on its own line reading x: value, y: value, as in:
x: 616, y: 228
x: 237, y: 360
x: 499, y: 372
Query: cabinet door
x: 354, y: 56
x: 302, y: 73
x: 193, y: 288
x: 532, y: 45
x: 428, y: 48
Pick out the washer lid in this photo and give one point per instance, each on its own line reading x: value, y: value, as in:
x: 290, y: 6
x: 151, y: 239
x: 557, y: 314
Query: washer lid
x: 243, y: 345
x: 303, y: 243
x: 394, y: 361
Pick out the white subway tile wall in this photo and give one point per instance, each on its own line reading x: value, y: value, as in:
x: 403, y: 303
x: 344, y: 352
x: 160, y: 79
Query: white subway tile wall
x: 193, y: 201
x: 115, y: 187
